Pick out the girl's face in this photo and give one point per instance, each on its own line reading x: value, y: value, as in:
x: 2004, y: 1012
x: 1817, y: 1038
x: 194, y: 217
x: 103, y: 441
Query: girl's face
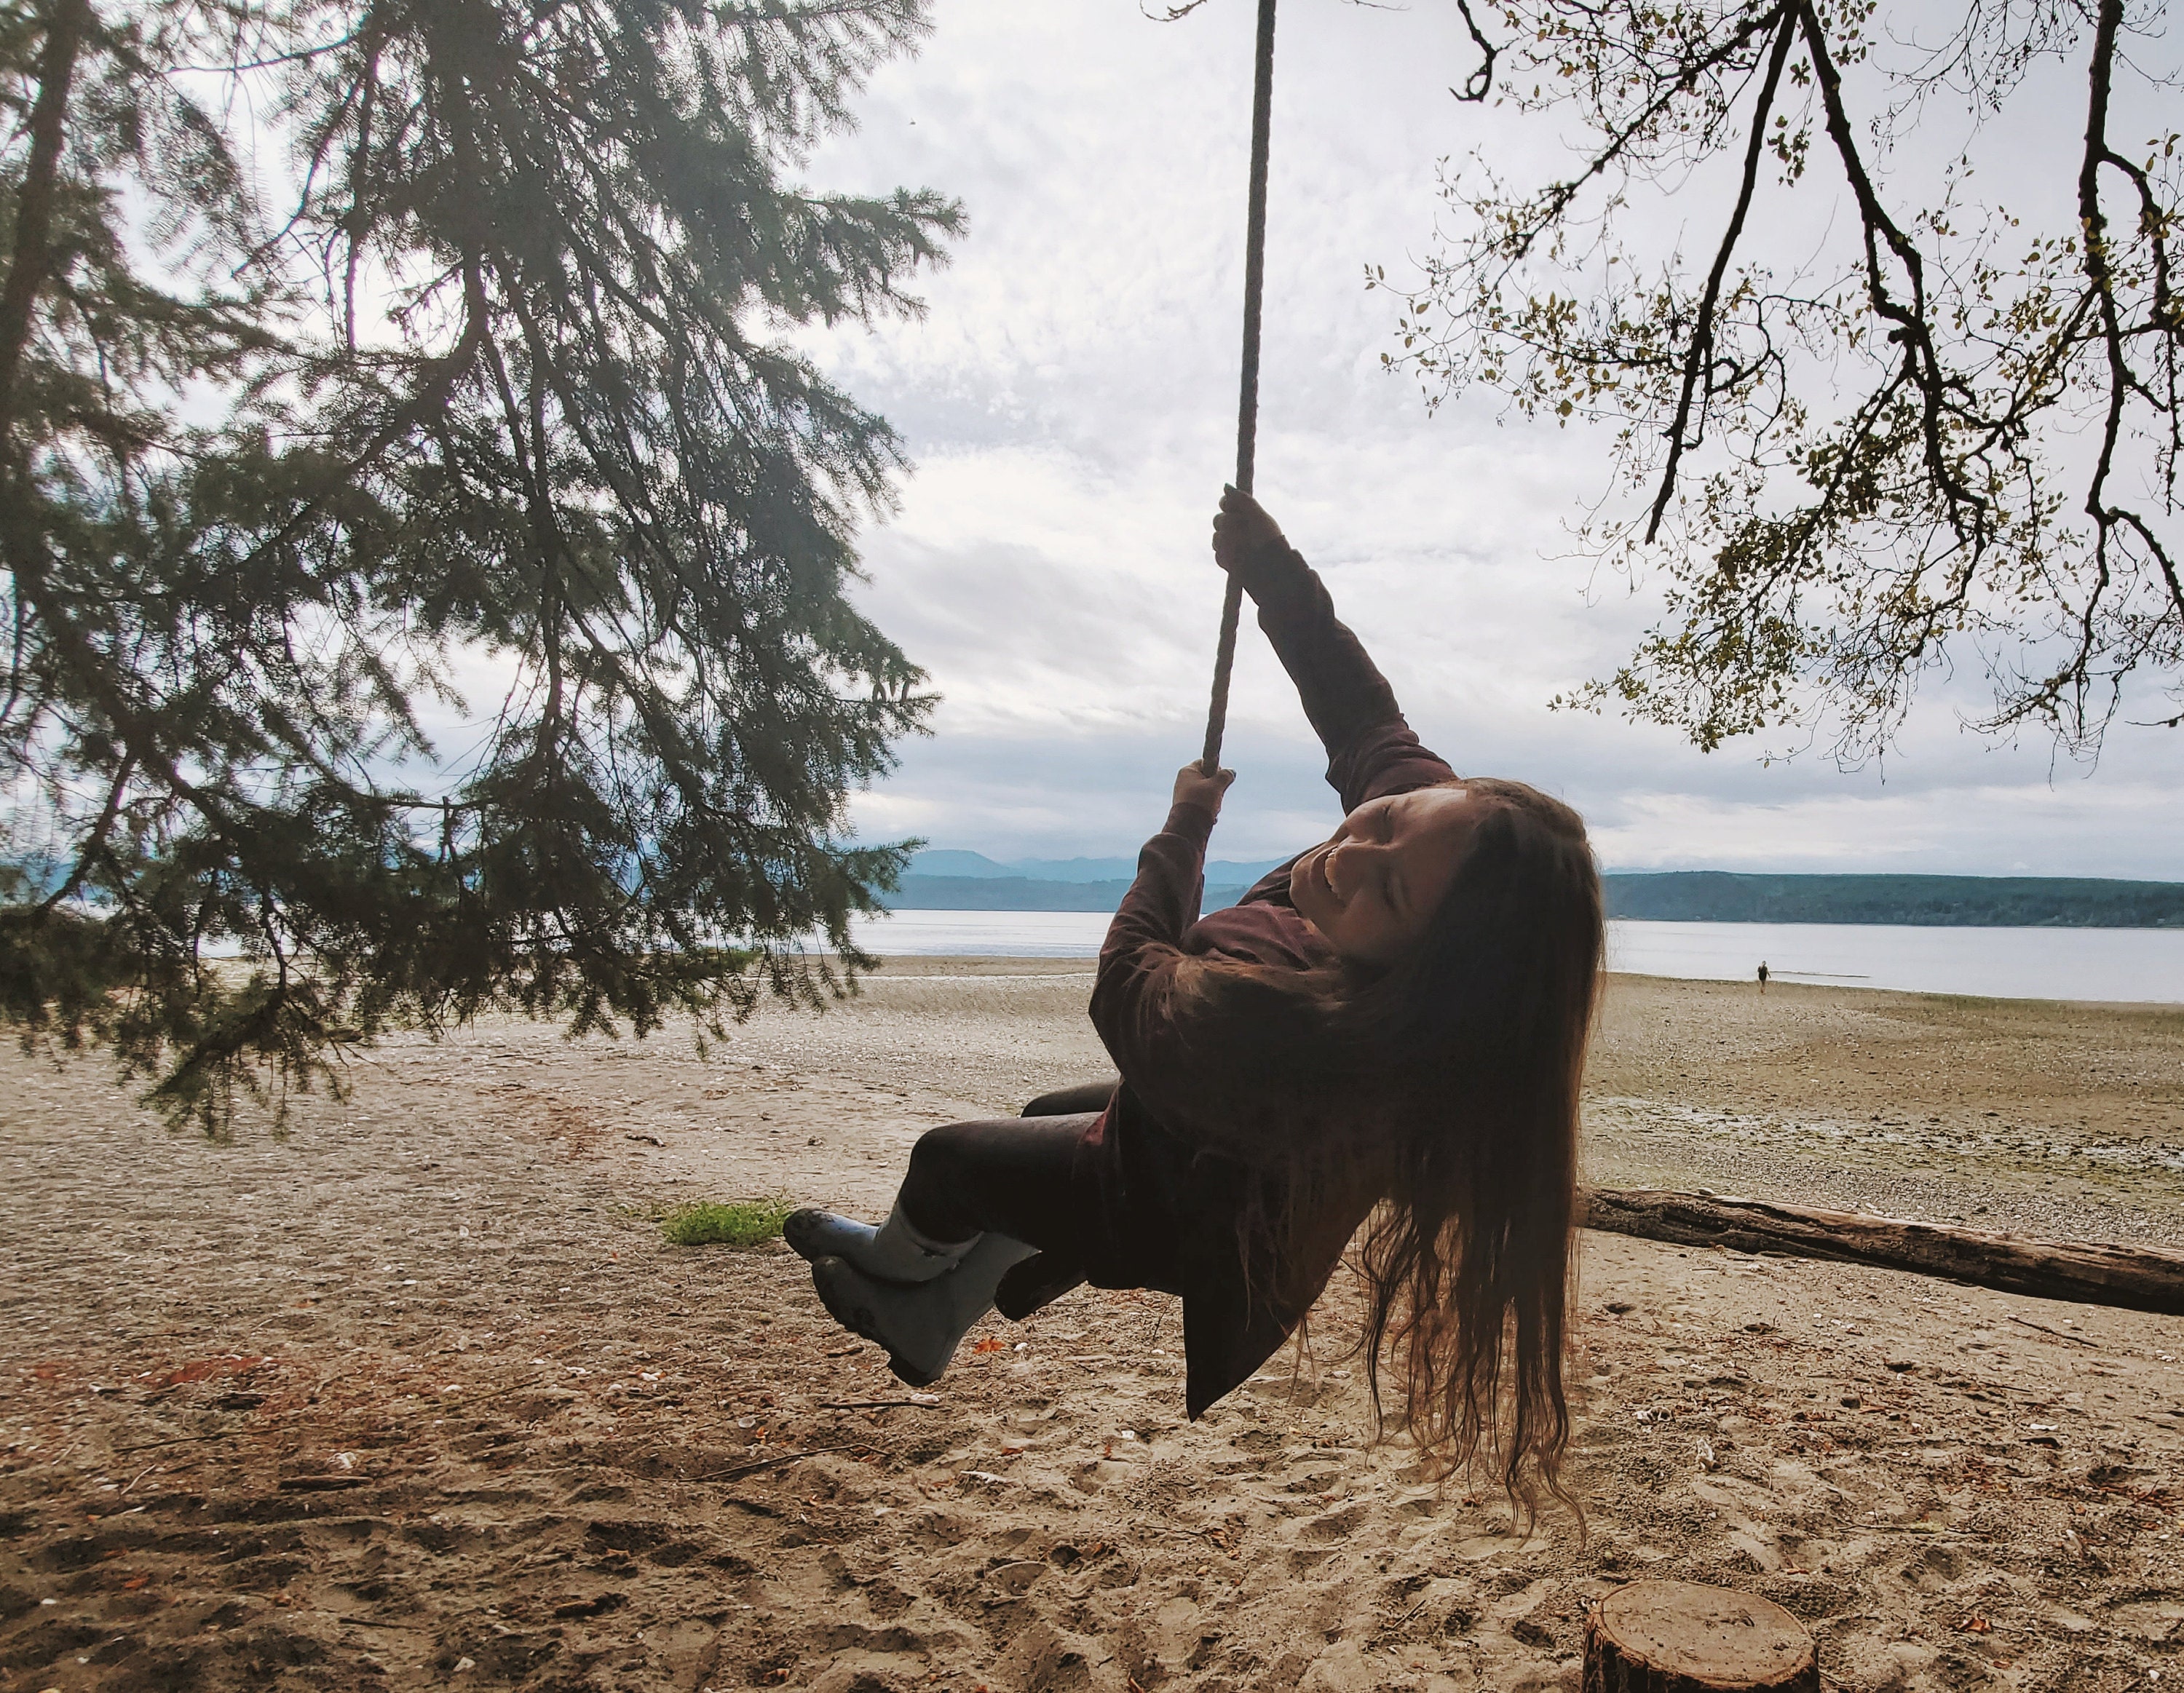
x: 1371, y: 889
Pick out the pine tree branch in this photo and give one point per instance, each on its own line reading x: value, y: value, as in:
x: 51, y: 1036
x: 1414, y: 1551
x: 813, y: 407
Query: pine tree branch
x: 31, y: 264
x: 94, y: 842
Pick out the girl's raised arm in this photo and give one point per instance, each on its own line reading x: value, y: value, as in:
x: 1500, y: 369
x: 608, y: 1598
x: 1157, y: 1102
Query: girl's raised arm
x: 1370, y: 749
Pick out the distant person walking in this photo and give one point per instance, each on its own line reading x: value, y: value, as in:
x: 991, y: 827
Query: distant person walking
x: 1763, y: 974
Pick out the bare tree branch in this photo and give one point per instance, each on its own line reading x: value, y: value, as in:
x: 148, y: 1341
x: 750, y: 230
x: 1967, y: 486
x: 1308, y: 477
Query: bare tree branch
x: 1699, y: 354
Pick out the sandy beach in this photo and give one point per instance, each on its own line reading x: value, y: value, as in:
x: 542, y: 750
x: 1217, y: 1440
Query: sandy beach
x: 418, y: 1397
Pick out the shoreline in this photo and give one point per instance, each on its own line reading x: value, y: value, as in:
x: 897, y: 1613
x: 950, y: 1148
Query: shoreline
x: 1000, y: 965
x: 2111, y: 967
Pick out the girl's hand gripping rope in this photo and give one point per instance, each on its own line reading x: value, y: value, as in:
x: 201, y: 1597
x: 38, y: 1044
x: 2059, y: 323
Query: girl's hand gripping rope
x: 1194, y: 786
x: 1249, y: 545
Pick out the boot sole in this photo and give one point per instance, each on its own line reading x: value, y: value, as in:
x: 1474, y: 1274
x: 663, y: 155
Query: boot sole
x: 792, y: 1231
x: 809, y: 1241
x: 860, y: 1321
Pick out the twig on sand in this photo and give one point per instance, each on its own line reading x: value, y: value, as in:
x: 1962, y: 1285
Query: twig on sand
x: 1925, y: 1529
x: 1219, y: 1539
x: 923, y: 1403
x: 170, y: 1441
x: 529, y: 1386
x: 785, y: 1458
x: 2075, y: 1340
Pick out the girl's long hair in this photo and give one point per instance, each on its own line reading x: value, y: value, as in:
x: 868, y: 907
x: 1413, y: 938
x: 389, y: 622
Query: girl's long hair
x: 1466, y: 1060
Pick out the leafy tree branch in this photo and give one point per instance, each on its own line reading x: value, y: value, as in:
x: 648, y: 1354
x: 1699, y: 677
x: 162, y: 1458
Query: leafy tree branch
x: 1947, y: 432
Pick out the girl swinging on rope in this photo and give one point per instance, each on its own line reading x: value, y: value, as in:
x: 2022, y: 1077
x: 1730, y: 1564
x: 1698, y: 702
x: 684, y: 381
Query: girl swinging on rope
x: 1388, y: 1033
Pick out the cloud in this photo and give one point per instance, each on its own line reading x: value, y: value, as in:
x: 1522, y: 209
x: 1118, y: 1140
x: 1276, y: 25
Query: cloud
x: 1070, y: 399
x: 2082, y: 830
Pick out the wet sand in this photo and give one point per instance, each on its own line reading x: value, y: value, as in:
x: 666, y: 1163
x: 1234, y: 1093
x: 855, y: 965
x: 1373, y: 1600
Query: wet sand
x: 419, y: 1398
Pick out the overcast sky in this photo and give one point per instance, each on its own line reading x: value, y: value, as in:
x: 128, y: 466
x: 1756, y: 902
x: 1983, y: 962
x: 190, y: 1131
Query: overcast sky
x: 1070, y: 402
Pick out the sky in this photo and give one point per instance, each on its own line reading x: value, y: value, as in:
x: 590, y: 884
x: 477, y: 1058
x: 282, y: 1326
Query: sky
x: 1069, y: 402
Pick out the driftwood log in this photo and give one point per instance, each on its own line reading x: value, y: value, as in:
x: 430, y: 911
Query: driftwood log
x: 1677, y: 1637
x: 2135, y: 1278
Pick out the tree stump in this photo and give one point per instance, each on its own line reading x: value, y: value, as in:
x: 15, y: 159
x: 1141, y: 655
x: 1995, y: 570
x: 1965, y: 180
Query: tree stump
x: 1678, y: 1637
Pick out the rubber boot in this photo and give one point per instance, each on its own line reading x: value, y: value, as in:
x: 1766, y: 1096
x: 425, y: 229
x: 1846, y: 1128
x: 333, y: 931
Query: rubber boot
x: 920, y: 1326
x: 892, y: 1252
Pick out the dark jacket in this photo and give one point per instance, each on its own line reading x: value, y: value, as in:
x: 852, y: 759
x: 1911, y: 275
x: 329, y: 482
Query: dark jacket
x: 1178, y: 1164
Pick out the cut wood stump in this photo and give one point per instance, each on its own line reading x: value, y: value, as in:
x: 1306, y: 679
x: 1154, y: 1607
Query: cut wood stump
x: 2135, y: 1278
x: 1678, y: 1637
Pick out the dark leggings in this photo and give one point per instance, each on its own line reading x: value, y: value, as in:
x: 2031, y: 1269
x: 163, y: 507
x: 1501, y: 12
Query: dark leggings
x: 1011, y: 1175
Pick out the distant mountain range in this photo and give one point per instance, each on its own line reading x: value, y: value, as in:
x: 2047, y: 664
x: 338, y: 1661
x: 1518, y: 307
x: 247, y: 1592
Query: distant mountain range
x: 941, y: 880
x: 943, y: 861
x: 954, y: 881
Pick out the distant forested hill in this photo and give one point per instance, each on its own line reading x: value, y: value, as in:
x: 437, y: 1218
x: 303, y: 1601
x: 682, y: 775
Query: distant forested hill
x: 1707, y: 896
x: 1703, y: 896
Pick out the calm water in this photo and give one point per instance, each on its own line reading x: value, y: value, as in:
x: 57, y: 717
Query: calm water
x: 997, y: 934
x: 2145, y: 965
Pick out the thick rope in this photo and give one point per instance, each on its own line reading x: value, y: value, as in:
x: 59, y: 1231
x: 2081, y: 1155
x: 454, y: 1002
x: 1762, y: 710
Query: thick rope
x: 1247, y: 404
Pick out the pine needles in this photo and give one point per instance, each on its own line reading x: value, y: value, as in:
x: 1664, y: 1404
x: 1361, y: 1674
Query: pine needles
x: 501, y: 387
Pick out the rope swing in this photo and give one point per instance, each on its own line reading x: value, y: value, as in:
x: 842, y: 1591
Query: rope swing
x: 1247, y: 403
